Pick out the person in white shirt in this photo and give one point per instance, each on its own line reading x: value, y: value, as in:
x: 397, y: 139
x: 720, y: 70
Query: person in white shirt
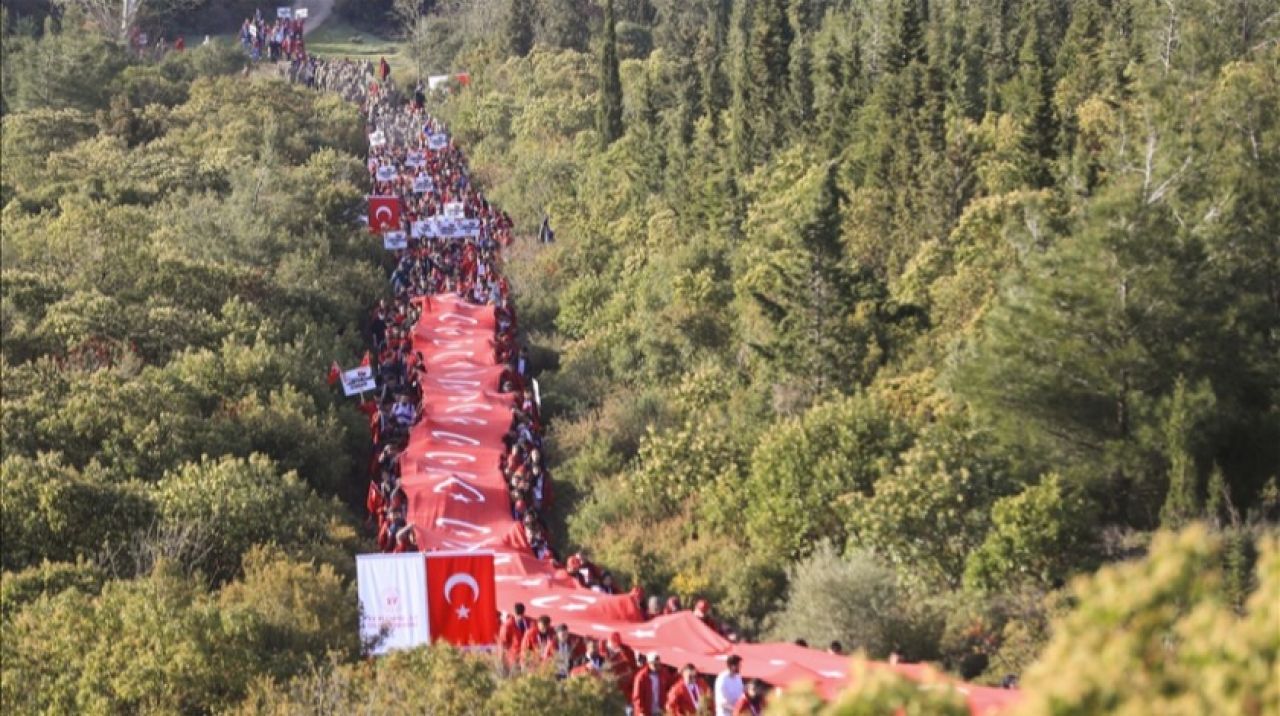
x: 729, y: 686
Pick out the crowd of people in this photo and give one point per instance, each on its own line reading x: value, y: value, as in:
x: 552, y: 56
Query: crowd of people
x: 279, y: 39
x: 471, y: 268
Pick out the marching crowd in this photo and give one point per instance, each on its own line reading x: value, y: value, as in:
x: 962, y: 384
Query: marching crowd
x: 470, y: 266
x: 281, y: 38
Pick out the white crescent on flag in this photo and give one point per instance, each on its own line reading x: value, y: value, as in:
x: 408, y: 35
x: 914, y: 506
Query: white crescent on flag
x: 461, y: 578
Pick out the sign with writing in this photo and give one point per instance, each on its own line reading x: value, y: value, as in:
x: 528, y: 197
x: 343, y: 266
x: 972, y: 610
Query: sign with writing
x: 421, y: 184
x: 415, y: 159
x: 358, y: 380
x: 387, y: 172
x: 284, y: 13
x: 454, y: 210
x: 393, y: 601
x: 377, y: 139
x: 394, y: 241
x: 438, y: 141
x: 421, y: 229
x: 301, y: 13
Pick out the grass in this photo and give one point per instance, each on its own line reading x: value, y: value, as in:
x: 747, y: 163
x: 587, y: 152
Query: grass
x: 336, y: 38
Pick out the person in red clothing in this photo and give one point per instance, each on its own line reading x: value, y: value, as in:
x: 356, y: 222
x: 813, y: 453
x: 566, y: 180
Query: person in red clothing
x: 649, y: 687
x: 534, y: 645
x: 689, y: 694
x: 752, y: 702
x: 702, y: 610
x: 622, y: 663
x: 512, y: 631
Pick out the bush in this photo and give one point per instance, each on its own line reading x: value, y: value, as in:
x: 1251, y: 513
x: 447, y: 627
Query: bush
x: 850, y: 598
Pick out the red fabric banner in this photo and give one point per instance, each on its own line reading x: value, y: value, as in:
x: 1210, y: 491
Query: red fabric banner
x: 458, y: 503
x: 462, y: 602
x: 384, y: 213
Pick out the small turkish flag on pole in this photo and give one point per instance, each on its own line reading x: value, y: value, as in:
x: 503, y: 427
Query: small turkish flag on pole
x: 384, y: 213
x: 462, y: 601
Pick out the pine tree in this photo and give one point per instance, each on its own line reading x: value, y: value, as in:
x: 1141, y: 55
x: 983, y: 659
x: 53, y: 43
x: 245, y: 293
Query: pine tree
x: 1183, y: 500
x: 521, y: 19
x: 800, y: 69
x: 609, y: 111
x: 1029, y: 98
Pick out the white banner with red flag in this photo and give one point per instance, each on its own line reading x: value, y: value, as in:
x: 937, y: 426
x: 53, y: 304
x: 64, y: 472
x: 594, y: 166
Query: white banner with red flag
x: 393, y: 601
x: 463, y: 598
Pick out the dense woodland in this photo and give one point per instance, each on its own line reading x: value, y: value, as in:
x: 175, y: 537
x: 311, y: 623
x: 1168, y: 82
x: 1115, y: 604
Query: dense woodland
x: 948, y: 329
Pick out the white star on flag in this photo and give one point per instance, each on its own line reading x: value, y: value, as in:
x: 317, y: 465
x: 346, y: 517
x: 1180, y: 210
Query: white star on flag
x: 463, y: 612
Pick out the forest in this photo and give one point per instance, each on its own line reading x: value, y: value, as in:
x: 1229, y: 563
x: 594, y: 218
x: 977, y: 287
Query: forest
x: 947, y: 329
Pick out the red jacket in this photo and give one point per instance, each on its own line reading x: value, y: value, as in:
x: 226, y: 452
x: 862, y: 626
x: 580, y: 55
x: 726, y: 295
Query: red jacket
x: 642, y: 701
x: 680, y: 701
x: 744, y: 707
x: 511, y: 633
x: 533, y: 646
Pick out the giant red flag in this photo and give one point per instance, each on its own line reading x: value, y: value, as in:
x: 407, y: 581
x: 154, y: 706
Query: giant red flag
x: 384, y: 213
x: 462, y: 601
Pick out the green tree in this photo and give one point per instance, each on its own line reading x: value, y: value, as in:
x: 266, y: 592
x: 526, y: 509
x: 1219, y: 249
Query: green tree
x: 241, y: 503
x: 1208, y: 658
x: 1037, y: 536
x: 807, y: 471
x: 609, y: 111
x: 521, y: 21
x: 850, y: 598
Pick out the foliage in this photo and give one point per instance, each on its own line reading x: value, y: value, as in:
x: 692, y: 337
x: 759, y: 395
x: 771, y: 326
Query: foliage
x: 1036, y: 536
x: 849, y: 598
x: 876, y: 690
x: 1160, y: 636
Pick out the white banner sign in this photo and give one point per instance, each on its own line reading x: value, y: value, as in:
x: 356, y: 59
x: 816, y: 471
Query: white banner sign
x: 454, y: 210
x: 284, y: 12
x: 387, y: 172
x: 300, y: 13
x: 415, y: 158
x: 377, y: 139
x: 393, y: 601
x: 358, y: 380
x: 421, y: 229
x: 438, y: 141
x: 422, y: 184
x: 447, y: 228
x: 395, y: 240
x: 436, y: 81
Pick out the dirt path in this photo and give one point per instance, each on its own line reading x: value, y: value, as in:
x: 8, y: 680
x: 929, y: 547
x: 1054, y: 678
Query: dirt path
x: 317, y: 12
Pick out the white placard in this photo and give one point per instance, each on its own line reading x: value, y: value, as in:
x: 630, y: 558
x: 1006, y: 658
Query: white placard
x: 454, y: 210
x: 422, y: 184
x: 436, y: 81
x: 284, y: 13
x: 395, y: 240
x: 358, y: 380
x: 421, y: 229
x: 416, y: 158
x: 301, y: 13
x: 386, y: 172
x: 438, y: 141
x: 377, y: 139
x: 393, y: 601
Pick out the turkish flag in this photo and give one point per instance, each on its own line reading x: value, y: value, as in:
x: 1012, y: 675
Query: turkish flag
x: 335, y: 373
x: 462, y: 599
x: 384, y: 213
